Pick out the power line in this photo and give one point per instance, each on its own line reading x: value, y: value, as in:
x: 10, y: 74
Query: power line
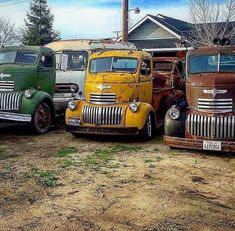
x: 13, y: 3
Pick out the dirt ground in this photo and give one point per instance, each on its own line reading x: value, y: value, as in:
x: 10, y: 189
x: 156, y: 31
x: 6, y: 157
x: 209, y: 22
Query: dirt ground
x: 58, y: 182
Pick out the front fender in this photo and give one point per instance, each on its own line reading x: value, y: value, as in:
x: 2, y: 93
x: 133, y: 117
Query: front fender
x: 28, y: 106
x: 138, y: 118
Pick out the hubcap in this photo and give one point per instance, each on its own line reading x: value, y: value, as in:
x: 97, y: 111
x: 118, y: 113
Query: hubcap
x: 43, y: 117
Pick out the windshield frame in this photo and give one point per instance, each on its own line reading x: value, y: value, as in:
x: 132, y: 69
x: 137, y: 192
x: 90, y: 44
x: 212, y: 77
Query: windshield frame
x: 218, y: 69
x: 21, y: 63
x: 112, y: 57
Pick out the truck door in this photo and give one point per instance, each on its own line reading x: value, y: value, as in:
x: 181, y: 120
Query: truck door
x: 145, y: 87
x: 46, y: 76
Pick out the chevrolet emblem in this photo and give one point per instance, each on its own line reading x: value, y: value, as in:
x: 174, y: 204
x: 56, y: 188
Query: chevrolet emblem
x: 102, y: 87
x: 214, y: 92
x: 2, y: 75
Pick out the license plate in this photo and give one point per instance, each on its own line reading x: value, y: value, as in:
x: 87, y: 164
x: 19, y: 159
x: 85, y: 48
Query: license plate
x: 212, y: 145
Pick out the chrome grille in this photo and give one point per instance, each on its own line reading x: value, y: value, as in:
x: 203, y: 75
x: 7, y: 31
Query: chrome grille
x: 102, y: 115
x: 211, y: 127
x: 7, y: 85
x: 104, y: 98
x: 221, y: 105
x: 10, y: 101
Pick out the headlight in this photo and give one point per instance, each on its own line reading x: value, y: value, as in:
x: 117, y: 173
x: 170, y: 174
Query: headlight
x: 74, y: 89
x: 28, y: 93
x: 174, y: 113
x: 71, y: 105
x: 134, y: 107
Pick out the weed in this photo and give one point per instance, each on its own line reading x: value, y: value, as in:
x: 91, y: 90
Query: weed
x: 67, y: 163
x: 5, y: 172
x: 65, y: 152
x: 104, y: 154
x: 159, y: 158
x: 45, y: 177
x: 148, y: 161
x: 90, y: 161
x: 4, y: 155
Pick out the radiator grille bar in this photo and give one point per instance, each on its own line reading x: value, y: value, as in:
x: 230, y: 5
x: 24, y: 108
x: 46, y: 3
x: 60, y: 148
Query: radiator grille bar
x: 10, y: 101
x: 222, y: 105
x: 104, y: 98
x: 7, y: 85
x: 102, y: 115
x: 211, y: 127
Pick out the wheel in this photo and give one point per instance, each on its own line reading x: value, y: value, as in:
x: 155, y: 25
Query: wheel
x: 146, y: 132
x: 42, y: 119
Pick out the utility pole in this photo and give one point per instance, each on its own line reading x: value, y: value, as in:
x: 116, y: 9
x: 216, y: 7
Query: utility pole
x: 125, y: 9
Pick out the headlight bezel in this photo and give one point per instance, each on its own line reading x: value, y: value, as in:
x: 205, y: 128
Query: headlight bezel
x: 74, y: 89
x: 28, y: 93
x: 174, y: 113
x: 134, y: 107
x: 71, y: 105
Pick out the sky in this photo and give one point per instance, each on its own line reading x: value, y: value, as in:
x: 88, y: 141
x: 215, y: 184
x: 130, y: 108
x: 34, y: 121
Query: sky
x: 94, y: 18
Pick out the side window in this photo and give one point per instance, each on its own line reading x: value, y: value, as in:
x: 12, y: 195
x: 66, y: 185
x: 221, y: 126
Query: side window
x: 47, y: 61
x: 146, y: 67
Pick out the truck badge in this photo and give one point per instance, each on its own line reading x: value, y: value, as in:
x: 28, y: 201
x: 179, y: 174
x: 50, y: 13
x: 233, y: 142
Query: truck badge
x: 2, y: 75
x: 102, y: 87
x: 214, y: 92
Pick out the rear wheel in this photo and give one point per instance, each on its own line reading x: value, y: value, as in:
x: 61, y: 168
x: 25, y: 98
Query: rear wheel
x: 146, y: 132
x: 42, y: 118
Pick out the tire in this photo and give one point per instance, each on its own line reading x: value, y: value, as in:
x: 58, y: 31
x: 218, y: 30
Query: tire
x: 146, y: 133
x: 42, y: 119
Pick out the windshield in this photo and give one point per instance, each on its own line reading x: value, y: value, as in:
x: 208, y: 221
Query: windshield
x: 18, y: 57
x: 212, y: 63
x: 72, y: 60
x: 113, y: 64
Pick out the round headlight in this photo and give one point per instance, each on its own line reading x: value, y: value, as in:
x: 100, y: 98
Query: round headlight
x: 74, y: 89
x: 174, y: 113
x: 71, y: 105
x: 134, y: 107
x: 28, y: 93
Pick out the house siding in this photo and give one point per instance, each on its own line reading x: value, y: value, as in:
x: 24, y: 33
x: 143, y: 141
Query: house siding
x: 149, y: 30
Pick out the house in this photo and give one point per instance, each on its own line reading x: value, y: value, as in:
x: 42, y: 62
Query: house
x: 160, y: 35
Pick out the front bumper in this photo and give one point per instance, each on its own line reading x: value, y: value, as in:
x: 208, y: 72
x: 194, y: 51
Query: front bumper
x: 102, y: 130
x: 196, y: 144
x: 15, y: 117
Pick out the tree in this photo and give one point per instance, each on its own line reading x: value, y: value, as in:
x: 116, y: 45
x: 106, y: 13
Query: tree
x: 8, y: 32
x: 212, y: 20
x: 39, y: 25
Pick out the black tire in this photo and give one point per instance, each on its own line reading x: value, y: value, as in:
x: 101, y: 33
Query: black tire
x: 146, y: 133
x: 42, y: 119
x: 76, y: 135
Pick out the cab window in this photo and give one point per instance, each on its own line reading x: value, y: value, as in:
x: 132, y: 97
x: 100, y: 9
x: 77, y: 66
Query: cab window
x: 47, y: 61
x: 145, y: 67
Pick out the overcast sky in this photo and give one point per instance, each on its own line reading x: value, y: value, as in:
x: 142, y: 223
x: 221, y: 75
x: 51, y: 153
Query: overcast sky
x: 94, y: 18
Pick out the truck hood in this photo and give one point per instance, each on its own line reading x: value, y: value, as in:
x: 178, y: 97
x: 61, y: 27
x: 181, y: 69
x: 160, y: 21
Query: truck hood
x: 214, y: 87
x: 17, y: 78
x: 118, y: 87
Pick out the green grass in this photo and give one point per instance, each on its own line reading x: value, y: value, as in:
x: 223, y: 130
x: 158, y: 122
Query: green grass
x: 46, y: 178
x: 65, y: 152
x: 5, y: 172
x: 67, y: 163
x: 125, y: 148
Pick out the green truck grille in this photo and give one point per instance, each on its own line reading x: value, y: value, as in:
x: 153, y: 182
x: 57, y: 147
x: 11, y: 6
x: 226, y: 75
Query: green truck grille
x: 10, y: 101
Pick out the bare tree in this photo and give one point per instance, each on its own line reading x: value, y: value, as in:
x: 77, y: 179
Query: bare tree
x: 8, y: 32
x: 212, y: 19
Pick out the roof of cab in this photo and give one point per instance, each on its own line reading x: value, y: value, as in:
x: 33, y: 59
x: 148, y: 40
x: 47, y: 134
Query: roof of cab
x: 121, y: 53
x: 89, y: 44
x: 212, y: 49
x: 30, y: 48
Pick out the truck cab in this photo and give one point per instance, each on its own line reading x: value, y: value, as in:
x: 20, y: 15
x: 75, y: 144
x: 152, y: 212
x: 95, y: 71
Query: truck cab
x: 27, y: 83
x: 119, y: 96
x: 208, y: 120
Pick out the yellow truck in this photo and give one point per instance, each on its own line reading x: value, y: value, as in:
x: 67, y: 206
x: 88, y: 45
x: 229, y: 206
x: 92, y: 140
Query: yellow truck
x: 121, y: 96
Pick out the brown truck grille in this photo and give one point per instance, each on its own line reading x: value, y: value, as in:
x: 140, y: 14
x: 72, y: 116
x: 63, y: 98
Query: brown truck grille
x: 10, y: 101
x: 7, y: 85
x: 102, y: 115
x: 104, y: 98
x: 222, y: 127
x: 221, y: 105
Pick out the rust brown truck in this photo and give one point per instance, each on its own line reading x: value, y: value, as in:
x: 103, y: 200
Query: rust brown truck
x: 206, y: 121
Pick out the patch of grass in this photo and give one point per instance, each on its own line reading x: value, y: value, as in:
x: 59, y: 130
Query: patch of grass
x: 104, y: 154
x: 65, y: 152
x: 149, y: 161
x: 45, y: 177
x: 5, y: 172
x: 159, y: 158
x: 67, y: 163
x: 90, y: 161
x: 125, y: 148
x: 4, y: 155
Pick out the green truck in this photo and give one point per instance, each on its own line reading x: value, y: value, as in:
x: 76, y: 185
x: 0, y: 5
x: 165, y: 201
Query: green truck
x: 27, y: 85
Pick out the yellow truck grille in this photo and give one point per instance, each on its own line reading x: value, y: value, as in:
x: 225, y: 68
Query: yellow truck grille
x: 220, y: 127
x: 103, y: 98
x: 10, y: 101
x: 102, y: 115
